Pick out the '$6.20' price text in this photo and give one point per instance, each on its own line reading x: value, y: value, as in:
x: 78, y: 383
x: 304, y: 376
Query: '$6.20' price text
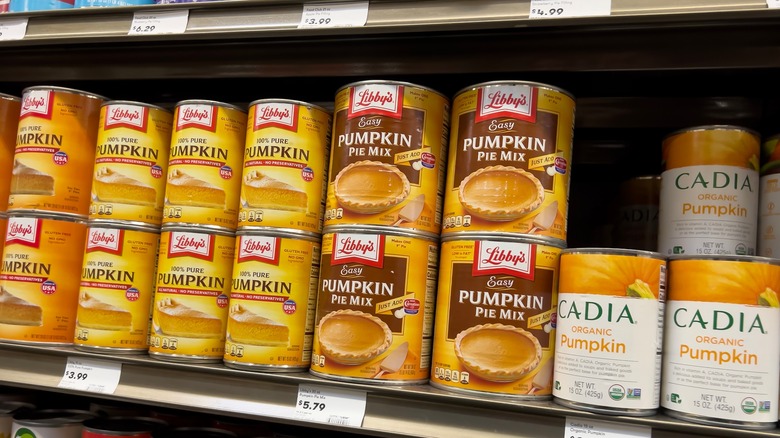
x: 551, y: 12
x: 311, y: 406
x: 72, y: 375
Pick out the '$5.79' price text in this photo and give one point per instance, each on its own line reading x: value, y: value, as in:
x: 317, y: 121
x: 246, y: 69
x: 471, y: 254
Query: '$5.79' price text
x: 311, y: 406
x: 550, y: 12
x: 143, y: 29
x: 72, y: 375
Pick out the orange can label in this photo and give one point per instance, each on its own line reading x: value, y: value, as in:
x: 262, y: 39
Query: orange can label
x: 191, y: 298
x: 9, y: 118
x: 375, y: 308
x: 272, y: 302
x: 204, y: 179
x: 3, y: 227
x: 116, y: 288
x: 387, y: 160
x: 39, y: 279
x: 55, y: 155
x: 131, y: 163
x: 283, y: 186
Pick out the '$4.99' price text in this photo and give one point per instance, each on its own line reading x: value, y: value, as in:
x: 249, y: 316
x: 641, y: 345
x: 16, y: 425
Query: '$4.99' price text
x: 311, y: 406
x: 550, y: 12
x: 72, y: 375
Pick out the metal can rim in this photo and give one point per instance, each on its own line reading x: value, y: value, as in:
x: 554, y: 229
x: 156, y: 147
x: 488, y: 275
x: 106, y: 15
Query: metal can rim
x: 181, y: 228
x: 725, y: 257
x: 515, y: 82
x: 123, y: 425
x: 47, y: 215
x: 389, y: 82
x: 282, y: 234
x: 292, y: 101
x: 368, y: 229
x: 50, y: 417
x: 209, y: 102
x: 121, y: 226
x: 9, y: 97
x: 771, y: 137
x: 712, y: 128
x: 87, y: 94
x: 135, y: 103
x: 10, y: 407
x: 486, y: 236
x: 615, y: 251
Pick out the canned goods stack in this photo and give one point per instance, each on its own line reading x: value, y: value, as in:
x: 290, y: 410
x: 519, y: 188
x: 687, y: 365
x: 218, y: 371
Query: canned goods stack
x: 48, y: 206
x: 273, y: 295
x: 9, y: 120
x: 125, y: 214
x: 377, y: 288
x: 197, y: 240
x: 505, y: 209
x: 769, y: 199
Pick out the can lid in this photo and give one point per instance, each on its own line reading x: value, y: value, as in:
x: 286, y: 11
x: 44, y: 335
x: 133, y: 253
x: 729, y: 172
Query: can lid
x: 197, y: 432
x: 125, y: 424
x: 53, y: 417
x: 209, y: 102
x: 291, y: 101
x: 45, y: 215
x: 379, y: 229
x: 121, y: 225
x: 64, y: 90
x: 712, y: 128
x: 12, y: 407
x: 270, y: 232
x: 386, y: 82
x: 9, y: 97
x: 529, y: 83
x: 615, y: 251
x: 725, y: 257
x: 506, y: 237
x: 134, y: 103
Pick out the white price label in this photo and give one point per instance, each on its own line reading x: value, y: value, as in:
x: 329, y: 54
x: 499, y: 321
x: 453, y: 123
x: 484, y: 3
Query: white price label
x: 320, y: 15
x: 156, y: 23
x: 773, y: 4
x: 585, y: 428
x: 321, y: 404
x: 569, y: 8
x: 13, y: 29
x: 91, y: 375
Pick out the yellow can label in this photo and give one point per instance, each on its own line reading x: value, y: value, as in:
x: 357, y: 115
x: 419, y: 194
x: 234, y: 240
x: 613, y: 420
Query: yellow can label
x: 375, y: 307
x: 495, y: 317
x: 55, y: 152
x: 272, y: 301
x: 39, y: 279
x: 191, y: 295
x: 284, y: 183
x: 9, y: 119
x: 510, y: 153
x: 204, y: 176
x: 387, y: 160
x: 116, y: 288
x: 131, y: 163
x: 3, y: 228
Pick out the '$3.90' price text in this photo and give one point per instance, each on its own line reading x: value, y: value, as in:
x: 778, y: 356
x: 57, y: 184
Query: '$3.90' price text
x: 311, y: 406
x: 72, y: 375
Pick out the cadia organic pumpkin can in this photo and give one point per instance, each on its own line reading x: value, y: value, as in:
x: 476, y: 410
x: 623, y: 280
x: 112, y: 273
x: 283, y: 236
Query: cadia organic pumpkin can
x: 721, y: 349
x: 609, y: 330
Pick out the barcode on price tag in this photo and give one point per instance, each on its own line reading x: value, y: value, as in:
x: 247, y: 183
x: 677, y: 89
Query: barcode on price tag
x: 586, y: 428
x: 13, y: 29
x: 773, y: 4
x: 321, y: 404
x: 156, y: 23
x: 569, y: 8
x: 321, y: 15
x: 91, y: 375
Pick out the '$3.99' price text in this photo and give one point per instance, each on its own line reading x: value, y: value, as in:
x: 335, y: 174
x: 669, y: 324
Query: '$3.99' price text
x: 313, y: 21
x: 72, y: 375
x: 311, y: 406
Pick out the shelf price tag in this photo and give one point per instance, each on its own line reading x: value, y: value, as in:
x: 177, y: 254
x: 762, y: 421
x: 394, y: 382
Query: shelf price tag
x: 322, y: 404
x: 13, y: 29
x: 773, y: 4
x: 585, y: 428
x: 569, y: 8
x: 156, y: 23
x: 91, y: 375
x: 322, y: 15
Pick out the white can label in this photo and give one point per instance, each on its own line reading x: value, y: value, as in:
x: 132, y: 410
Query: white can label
x: 605, y: 352
x: 769, y: 216
x: 720, y: 360
x: 708, y: 210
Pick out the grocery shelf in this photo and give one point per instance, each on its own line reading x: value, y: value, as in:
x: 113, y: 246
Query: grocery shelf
x: 390, y: 411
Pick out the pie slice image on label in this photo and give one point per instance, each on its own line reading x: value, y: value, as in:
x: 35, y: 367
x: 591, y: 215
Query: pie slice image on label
x: 93, y: 313
x: 262, y: 191
x: 500, y: 193
x: 112, y: 186
x: 26, y: 180
x: 250, y: 328
x: 183, y: 189
x: 16, y: 311
x: 498, y: 352
x: 368, y: 187
x: 176, y: 319
x: 352, y: 337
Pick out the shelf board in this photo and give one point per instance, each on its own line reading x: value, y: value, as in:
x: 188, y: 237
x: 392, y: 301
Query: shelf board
x: 419, y: 410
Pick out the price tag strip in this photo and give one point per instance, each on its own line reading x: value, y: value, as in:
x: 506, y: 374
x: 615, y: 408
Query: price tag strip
x: 586, y: 428
x: 157, y: 23
x: 773, y: 4
x: 91, y: 375
x: 322, y: 15
x: 322, y: 404
x: 570, y: 8
x: 13, y: 29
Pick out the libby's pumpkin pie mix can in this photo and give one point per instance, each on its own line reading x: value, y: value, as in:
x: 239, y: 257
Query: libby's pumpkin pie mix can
x: 375, y: 307
x: 204, y: 166
x: 388, y: 155
x: 285, y: 167
x: 190, y: 305
x: 495, y: 316
x: 273, y: 298
x: 131, y: 162
x: 609, y: 331
x: 55, y: 151
x: 39, y: 278
x: 117, y: 284
x: 10, y: 107
x: 509, y: 160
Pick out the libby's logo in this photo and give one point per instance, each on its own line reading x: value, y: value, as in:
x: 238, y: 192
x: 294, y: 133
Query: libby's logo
x: 515, y: 259
x: 105, y: 240
x: 127, y: 116
x: 197, y: 116
x: 366, y: 249
x: 514, y: 101
x: 200, y: 246
x: 258, y: 248
x: 382, y: 99
x: 37, y: 103
x: 279, y: 115
x: 23, y: 231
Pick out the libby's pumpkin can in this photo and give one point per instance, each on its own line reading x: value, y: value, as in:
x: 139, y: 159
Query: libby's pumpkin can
x: 9, y: 119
